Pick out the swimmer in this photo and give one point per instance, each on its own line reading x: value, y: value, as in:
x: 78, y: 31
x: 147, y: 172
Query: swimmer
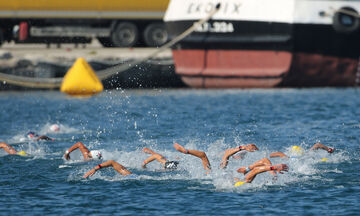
x: 230, y: 152
x: 11, y: 150
x: 118, y: 167
x: 199, y: 154
x: 88, y: 155
x: 33, y: 136
x: 298, y: 151
x: 168, y: 165
x: 263, y: 165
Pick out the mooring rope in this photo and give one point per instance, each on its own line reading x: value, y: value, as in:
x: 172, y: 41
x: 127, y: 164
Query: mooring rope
x: 31, y: 82
x: 53, y: 83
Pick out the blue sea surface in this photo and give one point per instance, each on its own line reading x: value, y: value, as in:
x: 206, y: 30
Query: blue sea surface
x: 121, y: 123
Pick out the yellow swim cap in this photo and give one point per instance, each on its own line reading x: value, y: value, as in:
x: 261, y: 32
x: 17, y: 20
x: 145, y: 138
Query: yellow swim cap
x: 324, y: 159
x: 22, y: 153
x: 297, y: 150
x: 239, y: 183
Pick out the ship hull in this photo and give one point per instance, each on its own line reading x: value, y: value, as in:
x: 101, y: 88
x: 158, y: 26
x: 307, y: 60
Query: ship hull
x: 298, y: 49
x: 231, y: 68
x: 263, y: 69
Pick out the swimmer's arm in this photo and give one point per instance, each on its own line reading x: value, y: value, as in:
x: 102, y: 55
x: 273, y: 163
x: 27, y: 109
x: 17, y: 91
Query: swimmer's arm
x: 278, y: 154
x: 148, y: 160
x: 321, y: 146
x: 228, y: 153
x: 250, y: 147
x: 240, y: 155
x: 7, y: 148
x: 257, y: 170
x: 118, y: 167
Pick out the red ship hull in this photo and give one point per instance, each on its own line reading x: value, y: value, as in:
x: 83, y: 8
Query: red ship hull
x: 261, y: 69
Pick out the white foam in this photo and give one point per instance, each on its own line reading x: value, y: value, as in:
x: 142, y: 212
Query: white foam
x: 304, y: 169
x: 63, y: 166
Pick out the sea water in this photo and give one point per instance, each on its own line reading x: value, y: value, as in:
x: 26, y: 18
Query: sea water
x: 121, y: 123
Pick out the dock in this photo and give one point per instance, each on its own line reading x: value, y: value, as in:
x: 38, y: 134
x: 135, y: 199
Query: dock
x: 40, y: 61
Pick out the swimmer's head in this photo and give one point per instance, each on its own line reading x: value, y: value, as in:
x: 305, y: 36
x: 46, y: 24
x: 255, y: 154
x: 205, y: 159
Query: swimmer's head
x: 297, y: 150
x: 96, y: 154
x: 171, y: 165
x: 31, y: 134
x: 331, y: 150
x: 55, y: 128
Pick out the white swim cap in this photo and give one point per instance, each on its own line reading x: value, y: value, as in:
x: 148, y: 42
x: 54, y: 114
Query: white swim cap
x: 96, y: 154
x: 54, y: 127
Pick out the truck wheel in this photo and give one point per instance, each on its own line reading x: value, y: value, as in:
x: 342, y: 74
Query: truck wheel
x: 155, y: 35
x: 125, y: 34
x: 106, y: 42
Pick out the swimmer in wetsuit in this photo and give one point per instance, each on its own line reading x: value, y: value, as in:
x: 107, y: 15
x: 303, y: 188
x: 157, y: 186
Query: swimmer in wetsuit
x: 298, y: 151
x: 11, y: 150
x: 88, y: 155
x: 168, y: 165
x: 230, y: 152
x: 263, y: 165
x: 117, y: 167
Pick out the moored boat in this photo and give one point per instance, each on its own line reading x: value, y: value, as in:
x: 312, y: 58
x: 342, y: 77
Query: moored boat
x: 267, y: 43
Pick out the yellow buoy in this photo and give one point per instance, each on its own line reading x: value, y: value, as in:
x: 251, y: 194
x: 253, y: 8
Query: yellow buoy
x: 81, y: 80
x: 239, y: 183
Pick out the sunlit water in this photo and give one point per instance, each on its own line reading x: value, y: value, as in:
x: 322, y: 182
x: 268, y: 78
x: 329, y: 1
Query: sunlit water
x: 121, y: 123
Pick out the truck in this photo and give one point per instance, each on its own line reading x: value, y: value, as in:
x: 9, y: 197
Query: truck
x: 115, y: 23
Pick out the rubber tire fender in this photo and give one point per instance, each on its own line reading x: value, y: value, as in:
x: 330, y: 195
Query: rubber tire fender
x: 340, y: 27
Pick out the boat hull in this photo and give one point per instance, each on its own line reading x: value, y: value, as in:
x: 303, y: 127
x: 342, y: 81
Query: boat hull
x: 231, y: 68
x: 256, y: 46
x: 262, y: 69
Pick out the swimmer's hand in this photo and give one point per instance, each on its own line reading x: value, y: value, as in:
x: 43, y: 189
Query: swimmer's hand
x: 242, y: 170
x: 280, y: 167
x: 90, y: 173
x: 250, y: 147
x: 67, y: 156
